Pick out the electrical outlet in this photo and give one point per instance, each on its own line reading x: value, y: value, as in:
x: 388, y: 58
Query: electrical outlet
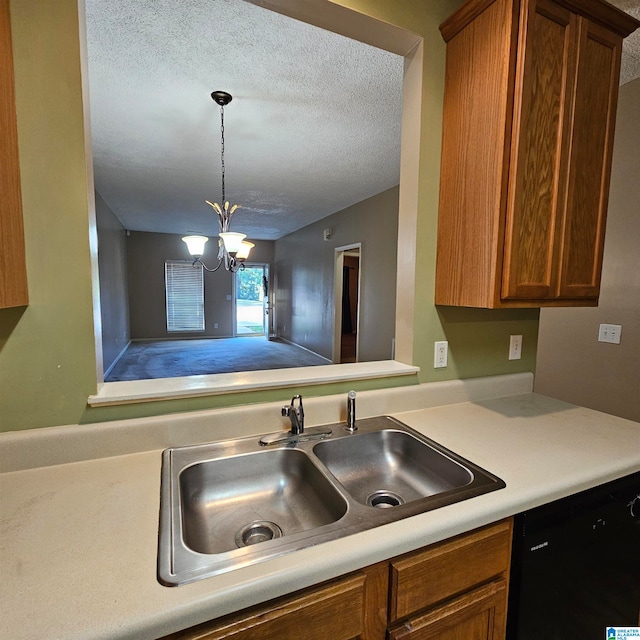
x: 440, y: 354
x: 515, y: 347
x: 610, y: 333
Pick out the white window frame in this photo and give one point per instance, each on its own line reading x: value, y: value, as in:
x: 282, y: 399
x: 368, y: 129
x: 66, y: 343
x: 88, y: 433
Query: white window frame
x: 181, y: 278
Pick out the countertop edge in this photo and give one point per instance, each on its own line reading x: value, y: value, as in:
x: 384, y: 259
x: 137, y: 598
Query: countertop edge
x: 544, y: 450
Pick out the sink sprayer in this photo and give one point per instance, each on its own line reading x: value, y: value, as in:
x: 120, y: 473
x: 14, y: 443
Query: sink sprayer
x: 351, y: 412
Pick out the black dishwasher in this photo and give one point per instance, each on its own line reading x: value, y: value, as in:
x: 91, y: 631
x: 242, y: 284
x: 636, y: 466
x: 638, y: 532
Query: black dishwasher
x: 575, y: 568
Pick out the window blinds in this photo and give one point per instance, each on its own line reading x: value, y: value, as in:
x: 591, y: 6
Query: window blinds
x: 184, y: 286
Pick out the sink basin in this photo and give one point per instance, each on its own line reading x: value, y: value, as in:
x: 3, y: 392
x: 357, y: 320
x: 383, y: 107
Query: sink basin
x: 238, y: 501
x: 388, y: 468
x: 226, y: 505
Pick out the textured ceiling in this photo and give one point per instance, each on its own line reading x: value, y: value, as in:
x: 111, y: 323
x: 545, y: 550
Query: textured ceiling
x: 314, y: 125
x: 631, y: 47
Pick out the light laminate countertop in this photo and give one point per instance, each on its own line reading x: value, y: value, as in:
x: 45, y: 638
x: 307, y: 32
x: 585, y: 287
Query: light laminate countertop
x: 78, y: 540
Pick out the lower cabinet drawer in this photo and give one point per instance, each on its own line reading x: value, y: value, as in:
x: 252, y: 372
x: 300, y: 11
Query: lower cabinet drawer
x: 479, y: 614
x: 334, y: 611
x: 421, y: 579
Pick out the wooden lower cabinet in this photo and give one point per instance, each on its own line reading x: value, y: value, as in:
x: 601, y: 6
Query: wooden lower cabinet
x: 455, y: 589
x: 353, y: 607
x: 451, y: 590
x: 479, y: 614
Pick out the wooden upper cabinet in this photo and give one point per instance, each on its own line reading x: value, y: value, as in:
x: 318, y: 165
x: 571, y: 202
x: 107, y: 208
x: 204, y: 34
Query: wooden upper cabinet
x: 596, y: 91
x: 13, y: 271
x: 533, y: 230
x: 529, y: 111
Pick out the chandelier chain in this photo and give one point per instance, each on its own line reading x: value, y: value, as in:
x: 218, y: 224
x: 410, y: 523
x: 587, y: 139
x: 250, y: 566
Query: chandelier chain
x: 232, y: 249
x: 222, y: 150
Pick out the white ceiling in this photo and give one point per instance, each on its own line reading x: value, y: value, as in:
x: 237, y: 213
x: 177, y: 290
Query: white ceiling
x: 314, y: 125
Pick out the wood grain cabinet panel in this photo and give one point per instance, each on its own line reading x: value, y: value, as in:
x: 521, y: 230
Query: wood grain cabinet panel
x: 13, y: 270
x: 422, y: 579
x: 529, y: 112
x: 534, y: 213
x: 455, y: 589
x: 351, y: 608
x: 590, y: 160
x: 479, y: 614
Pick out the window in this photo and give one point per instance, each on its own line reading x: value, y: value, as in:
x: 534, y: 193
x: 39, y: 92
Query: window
x: 184, y: 285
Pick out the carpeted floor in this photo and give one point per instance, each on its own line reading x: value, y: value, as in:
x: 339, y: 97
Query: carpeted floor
x: 173, y: 358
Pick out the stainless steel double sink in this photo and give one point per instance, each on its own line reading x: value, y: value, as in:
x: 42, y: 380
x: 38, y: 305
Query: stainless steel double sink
x: 229, y: 504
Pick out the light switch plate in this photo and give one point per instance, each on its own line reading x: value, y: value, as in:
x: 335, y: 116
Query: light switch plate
x: 610, y: 333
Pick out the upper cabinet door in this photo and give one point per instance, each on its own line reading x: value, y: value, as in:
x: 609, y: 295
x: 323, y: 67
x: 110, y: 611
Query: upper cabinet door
x: 529, y: 113
x: 542, y: 117
x: 13, y: 272
x: 481, y: 52
x: 596, y: 91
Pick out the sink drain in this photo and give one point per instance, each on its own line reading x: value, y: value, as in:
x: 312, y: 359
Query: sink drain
x: 384, y: 499
x: 259, y: 531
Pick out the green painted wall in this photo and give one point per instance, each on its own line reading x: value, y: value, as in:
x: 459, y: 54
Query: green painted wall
x: 47, y: 359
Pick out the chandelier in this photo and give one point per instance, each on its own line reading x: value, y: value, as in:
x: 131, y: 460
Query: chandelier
x: 233, y: 249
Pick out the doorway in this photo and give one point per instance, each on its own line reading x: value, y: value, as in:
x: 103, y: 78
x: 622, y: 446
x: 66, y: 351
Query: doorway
x: 251, y: 300
x: 346, y: 304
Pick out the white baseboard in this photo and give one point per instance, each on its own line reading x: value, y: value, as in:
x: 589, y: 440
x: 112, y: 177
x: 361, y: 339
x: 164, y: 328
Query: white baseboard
x: 117, y: 359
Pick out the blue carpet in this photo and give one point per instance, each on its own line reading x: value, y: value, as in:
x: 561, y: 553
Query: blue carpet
x: 173, y: 358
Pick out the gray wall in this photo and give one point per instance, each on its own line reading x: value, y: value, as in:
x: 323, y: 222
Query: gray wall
x: 304, y: 265
x: 146, y: 255
x: 114, y: 306
x: 572, y: 364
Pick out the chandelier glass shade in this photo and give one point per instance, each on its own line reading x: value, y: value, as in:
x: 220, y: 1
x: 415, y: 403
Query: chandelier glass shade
x: 195, y: 244
x: 233, y: 249
x: 232, y: 241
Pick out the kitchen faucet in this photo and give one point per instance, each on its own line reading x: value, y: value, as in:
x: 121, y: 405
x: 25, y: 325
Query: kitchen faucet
x: 295, y: 414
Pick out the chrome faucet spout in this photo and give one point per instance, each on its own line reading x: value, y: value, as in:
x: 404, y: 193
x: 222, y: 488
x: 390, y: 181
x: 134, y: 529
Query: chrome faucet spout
x: 295, y: 414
